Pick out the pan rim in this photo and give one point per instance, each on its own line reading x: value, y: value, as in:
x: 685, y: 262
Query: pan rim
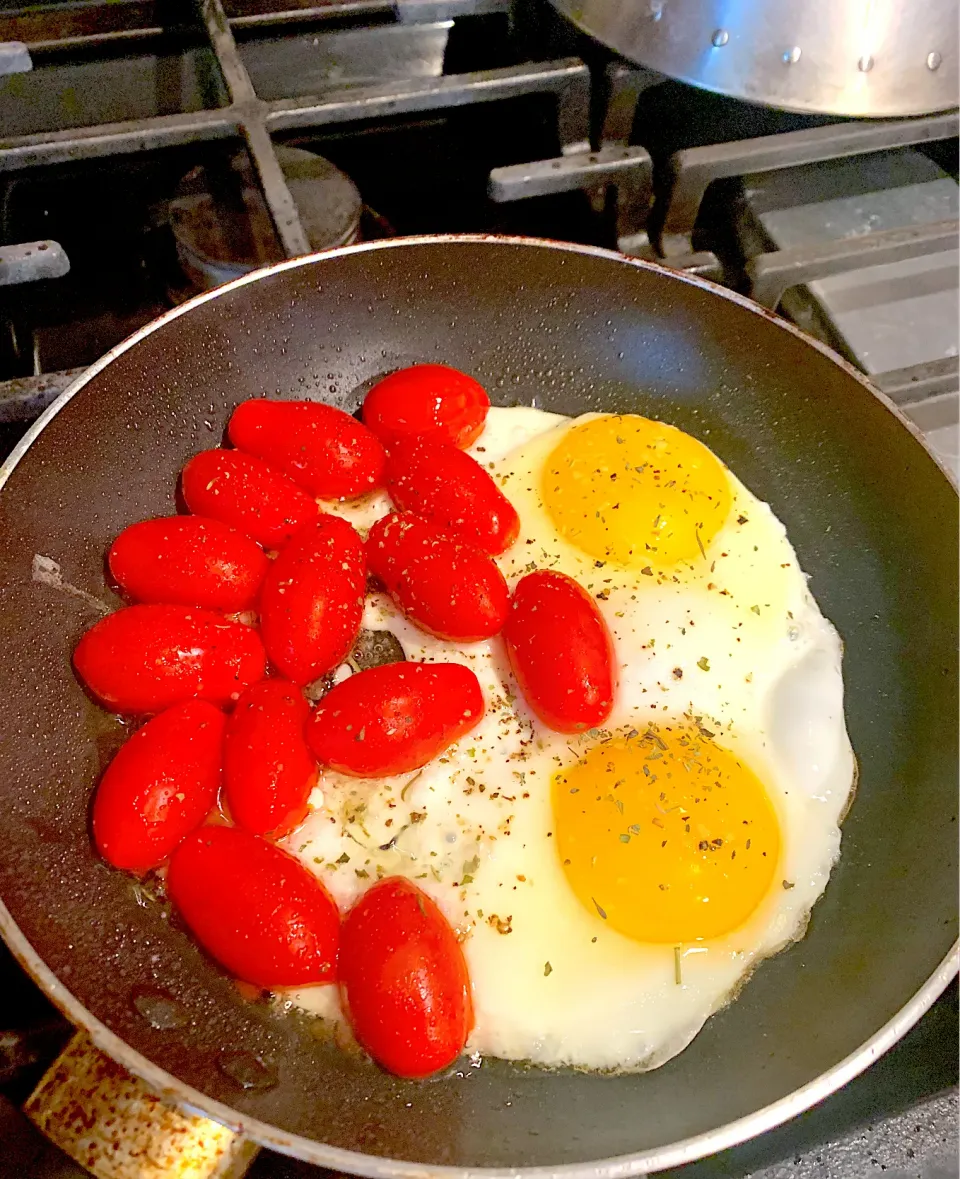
x: 377, y: 1167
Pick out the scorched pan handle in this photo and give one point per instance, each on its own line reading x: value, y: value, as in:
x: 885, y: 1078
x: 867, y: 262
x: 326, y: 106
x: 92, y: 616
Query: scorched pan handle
x: 110, y: 1122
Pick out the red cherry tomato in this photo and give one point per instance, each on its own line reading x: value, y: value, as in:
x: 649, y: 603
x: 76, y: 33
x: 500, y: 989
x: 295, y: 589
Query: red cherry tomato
x: 244, y: 492
x: 311, y: 603
x: 429, y: 401
x: 449, y: 589
x: 561, y: 652
x: 188, y: 561
x: 268, y: 768
x: 395, y: 718
x: 320, y: 447
x: 255, y: 909
x: 160, y: 786
x: 145, y: 658
x: 452, y: 490
x: 404, y: 980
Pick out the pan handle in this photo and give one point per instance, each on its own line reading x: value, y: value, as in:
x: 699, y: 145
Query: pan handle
x: 110, y: 1122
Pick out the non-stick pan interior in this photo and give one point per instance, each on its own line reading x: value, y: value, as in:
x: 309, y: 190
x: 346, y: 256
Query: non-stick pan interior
x: 874, y: 522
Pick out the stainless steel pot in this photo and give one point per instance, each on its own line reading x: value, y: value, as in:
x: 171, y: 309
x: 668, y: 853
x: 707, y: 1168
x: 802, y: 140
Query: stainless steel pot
x: 876, y: 58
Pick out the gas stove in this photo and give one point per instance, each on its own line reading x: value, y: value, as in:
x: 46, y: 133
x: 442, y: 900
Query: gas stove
x: 151, y: 151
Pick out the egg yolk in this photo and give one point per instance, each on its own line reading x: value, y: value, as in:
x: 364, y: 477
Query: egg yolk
x: 636, y: 492
x: 665, y: 835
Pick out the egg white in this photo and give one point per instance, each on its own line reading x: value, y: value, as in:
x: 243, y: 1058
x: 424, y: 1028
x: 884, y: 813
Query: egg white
x: 757, y: 663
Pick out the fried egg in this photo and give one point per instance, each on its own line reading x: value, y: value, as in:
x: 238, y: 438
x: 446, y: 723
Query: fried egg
x: 613, y: 889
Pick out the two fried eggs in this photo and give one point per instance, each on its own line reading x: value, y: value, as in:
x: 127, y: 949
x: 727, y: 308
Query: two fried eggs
x: 614, y: 888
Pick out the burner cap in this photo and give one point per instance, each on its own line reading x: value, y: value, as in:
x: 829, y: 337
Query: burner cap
x: 222, y: 225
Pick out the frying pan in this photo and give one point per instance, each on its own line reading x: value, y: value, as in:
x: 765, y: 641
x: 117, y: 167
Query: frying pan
x: 573, y: 329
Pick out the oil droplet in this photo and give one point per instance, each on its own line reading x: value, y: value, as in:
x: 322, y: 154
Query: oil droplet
x: 933, y: 60
x: 720, y: 38
x: 246, y: 1070
x: 791, y: 56
x: 865, y: 64
x: 160, y: 1010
